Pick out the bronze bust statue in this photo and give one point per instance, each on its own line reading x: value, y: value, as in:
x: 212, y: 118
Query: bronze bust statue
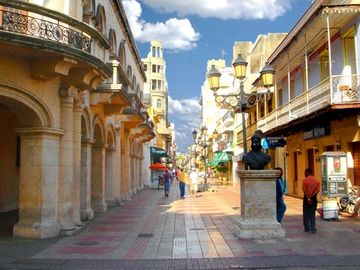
x: 256, y: 159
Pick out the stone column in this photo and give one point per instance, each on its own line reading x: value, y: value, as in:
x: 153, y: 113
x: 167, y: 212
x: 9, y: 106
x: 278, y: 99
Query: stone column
x: 87, y: 213
x: 132, y: 175
x: 109, y: 176
x: 141, y: 161
x: 98, y: 178
x: 39, y: 179
x: 117, y: 167
x: 258, y: 205
x: 125, y: 168
x: 76, y: 163
x: 65, y: 209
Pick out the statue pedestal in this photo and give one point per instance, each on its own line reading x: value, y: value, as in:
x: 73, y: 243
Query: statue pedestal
x: 258, y: 205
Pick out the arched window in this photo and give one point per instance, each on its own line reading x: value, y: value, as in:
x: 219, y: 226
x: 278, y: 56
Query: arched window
x: 129, y: 72
x: 112, y: 40
x: 133, y: 83
x: 100, y: 19
x: 158, y: 103
x: 121, y: 54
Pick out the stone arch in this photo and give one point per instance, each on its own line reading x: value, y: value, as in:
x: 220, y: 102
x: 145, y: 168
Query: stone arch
x: 86, y: 211
x: 98, y: 131
x: 122, y: 54
x: 110, y: 166
x: 98, y: 166
x: 30, y: 110
x: 100, y: 22
x: 110, y: 136
x: 26, y: 132
x: 112, y: 40
x: 86, y: 123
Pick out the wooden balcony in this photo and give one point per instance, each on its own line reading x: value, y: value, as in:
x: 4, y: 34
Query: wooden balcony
x: 334, y: 91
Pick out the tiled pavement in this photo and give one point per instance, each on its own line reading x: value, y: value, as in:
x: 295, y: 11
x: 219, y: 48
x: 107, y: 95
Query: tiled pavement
x: 154, y: 232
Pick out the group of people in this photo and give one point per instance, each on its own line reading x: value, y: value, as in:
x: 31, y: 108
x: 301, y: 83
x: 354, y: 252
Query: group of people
x: 185, y: 181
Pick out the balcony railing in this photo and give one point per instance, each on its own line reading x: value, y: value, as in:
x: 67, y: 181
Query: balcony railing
x: 343, y: 90
x: 17, y: 22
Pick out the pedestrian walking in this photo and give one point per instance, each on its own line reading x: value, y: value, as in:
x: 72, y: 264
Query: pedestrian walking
x: 166, y: 181
x: 194, y: 183
x: 280, y: 190
x: 182, y: 177
x: 310, y: 187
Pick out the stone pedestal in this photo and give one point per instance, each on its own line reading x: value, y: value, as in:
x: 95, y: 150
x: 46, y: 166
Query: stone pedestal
x: 258, y: 205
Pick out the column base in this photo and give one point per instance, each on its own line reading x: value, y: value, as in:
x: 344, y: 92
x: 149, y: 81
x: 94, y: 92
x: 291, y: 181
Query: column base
x: 259, y: 229
x: 101, y: 207
x: 87, y: 214
x: 74, y: 231
x: 111, y: 202
x: 118, y: 201
x: 37, y: 231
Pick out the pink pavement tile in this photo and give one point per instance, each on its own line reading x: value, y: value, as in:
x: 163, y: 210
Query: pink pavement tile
x: 85, y: 250
x: 321, y: 252
x: 256, y: 253
x: 285, y: 251
x: 99, y: 238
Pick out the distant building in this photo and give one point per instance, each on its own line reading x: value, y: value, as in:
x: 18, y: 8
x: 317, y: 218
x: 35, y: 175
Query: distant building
x: 156, y: 93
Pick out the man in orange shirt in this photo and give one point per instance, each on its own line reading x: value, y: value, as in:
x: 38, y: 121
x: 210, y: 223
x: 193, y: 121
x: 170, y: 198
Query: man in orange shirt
x: 310, y: 187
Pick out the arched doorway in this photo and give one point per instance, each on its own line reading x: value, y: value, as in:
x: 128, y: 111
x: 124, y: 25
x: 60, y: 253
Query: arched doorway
x: 28, y: 165
x: 109, y: 167
x: 87, y: 213
x: 98, y: 168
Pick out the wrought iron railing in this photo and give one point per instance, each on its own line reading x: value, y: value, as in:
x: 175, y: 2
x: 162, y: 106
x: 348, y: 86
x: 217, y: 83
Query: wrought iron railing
x: 49, y: 29
x: 345, y: 89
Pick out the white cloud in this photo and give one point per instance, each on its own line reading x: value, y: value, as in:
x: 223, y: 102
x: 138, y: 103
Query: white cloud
x: 184, y: 106
x: 224, y: 9
x: 185, y: 114
x: 176, y: 34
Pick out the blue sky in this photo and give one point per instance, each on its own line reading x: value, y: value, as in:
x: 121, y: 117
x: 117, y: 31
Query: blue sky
x: 194, y: 31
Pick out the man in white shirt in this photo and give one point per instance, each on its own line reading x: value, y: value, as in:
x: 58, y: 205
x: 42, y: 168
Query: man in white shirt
x: 194, y: 183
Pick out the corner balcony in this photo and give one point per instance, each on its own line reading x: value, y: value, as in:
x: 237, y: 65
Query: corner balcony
x: 53, y: 41
x: 336, y: 92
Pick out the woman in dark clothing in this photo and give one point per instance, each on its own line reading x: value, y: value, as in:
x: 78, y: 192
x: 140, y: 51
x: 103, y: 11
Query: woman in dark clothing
x: 166, y: 178
x: 280, y: 204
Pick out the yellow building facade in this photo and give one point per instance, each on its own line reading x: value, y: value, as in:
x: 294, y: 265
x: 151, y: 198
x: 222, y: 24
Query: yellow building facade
x: 156, y: 89
x: 72, y: 123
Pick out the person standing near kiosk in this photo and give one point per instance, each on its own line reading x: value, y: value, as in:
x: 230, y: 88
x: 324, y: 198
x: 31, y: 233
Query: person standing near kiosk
x: 310, y: 187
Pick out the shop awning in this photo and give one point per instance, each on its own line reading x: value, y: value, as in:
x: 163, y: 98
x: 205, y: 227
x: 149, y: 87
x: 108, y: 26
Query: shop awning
x: 157, y: 153
x: 220, y: 157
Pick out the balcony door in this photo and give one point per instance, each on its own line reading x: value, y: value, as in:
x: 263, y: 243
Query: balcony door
x: 356, y: 155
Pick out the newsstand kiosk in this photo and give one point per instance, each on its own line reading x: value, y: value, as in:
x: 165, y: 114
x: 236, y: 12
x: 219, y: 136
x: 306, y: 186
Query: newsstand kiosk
x: 333, y: 181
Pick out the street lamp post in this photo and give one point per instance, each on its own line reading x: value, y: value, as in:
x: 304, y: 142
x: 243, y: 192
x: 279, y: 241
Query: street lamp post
x: 194, y: 135
x: 239, y: 101
x: 204, y: 133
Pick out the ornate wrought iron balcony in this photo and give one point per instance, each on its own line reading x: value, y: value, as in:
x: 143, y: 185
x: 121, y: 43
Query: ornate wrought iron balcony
x: 18, y: 22
x: 34, y: 21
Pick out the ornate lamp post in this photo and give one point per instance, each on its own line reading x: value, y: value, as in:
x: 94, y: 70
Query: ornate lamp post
x: 239, y: 101
x: 204, y: 134
x: 194, y: 135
